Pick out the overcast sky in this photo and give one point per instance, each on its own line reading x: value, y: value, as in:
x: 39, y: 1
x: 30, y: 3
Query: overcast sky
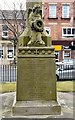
x: 9, y: 4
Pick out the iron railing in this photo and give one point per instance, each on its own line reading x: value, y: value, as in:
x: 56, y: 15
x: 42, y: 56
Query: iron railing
x: 8, y: 73
x: 65, y: 72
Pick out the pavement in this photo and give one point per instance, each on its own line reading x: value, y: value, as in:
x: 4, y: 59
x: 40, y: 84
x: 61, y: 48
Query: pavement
x: 65, y: 99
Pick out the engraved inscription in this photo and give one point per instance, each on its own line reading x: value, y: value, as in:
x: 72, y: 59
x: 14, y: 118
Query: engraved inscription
x: 37, y: 79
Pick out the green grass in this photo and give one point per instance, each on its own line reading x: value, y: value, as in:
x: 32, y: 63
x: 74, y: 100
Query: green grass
x: 7, y: 87
x: 66, y: 86
x: 62, y: 86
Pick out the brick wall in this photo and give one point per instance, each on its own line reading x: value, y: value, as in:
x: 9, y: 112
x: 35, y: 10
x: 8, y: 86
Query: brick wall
x: 57, y: 24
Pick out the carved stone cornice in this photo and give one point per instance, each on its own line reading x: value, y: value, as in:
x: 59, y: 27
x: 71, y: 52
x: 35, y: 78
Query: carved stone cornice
x: 35, y: 51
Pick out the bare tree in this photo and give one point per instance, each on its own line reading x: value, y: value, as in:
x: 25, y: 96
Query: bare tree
x: 15, y: 24
x: 18, y: 25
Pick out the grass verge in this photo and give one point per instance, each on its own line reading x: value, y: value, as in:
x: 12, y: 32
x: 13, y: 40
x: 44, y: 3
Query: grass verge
x: 62, y: 86
x: 66, y: 86
x: 7, y: 87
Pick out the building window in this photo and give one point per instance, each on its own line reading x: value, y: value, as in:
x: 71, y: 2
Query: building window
x: 66, y: 54
x: 68, y: 32
x: 57, y: 56
x: 4, y: 31
x: 52, y: 11
x: 65, y: 11
x: 10, y: 52
x: 1, y: 51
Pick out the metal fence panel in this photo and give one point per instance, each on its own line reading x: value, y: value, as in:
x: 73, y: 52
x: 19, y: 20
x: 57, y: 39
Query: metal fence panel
x: 8, y: 73
x: 66, y: 72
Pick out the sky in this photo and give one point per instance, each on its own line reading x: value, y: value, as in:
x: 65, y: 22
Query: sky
x: 9, y: 4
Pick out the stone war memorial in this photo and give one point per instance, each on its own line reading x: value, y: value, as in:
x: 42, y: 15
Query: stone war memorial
x: 36, y: 73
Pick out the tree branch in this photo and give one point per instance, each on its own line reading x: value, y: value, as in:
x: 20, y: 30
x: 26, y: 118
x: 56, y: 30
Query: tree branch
x: 7, y: 20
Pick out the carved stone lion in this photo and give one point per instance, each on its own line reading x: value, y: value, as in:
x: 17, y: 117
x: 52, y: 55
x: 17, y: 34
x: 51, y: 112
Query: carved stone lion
x: 36, y: 26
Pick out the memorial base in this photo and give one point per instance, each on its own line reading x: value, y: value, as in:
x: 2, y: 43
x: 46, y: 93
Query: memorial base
x: 26, y: 108
x: 36, y: 82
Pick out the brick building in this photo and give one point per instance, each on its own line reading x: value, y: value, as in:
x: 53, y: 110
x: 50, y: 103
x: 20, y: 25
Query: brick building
x: 6, y: 33
x: 59, y: 19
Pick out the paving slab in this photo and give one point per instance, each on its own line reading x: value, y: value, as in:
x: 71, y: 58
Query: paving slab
x: 66, y: 100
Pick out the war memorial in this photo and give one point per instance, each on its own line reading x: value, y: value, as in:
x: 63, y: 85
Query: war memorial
x: 36, y: 92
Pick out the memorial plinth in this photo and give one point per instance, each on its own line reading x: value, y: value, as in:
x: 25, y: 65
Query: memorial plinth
x: 36, y: 82
x: 36, y: 76
x: 36, y: 73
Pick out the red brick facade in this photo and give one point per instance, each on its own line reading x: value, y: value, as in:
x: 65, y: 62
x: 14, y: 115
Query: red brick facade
x: 56, y: 24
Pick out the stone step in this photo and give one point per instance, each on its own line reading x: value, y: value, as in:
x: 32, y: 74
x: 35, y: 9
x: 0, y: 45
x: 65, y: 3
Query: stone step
x: 23, y: 108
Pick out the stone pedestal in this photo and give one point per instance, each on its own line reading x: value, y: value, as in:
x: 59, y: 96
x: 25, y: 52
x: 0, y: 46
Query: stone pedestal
x: 36, y: 82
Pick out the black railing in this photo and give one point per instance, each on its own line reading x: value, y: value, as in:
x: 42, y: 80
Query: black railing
x: 8, y: 73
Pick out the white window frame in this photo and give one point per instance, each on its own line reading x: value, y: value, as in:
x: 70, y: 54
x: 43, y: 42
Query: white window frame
x: 11, y: 58
x: 65, y: 14
x: 50, y: 11
x: 6, y: 31
x: 66, y: 57
x: 1, y: 49
x: 68, y: 35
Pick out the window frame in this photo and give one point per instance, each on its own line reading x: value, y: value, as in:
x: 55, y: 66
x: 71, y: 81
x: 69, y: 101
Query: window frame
x: 55, y: 9
x: 67, y: 13
x: 66, y: 35
x: 1, y: 54
x: 4, y: 31
x: 65, y: 55
x: 10, y: 48
x: 1, y: 51
x: 57, y: 58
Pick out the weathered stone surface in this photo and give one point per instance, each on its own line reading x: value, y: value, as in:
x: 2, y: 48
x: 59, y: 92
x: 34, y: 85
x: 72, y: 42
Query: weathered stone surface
x: 64, y: 98
x: 34, y: 33
x: 35, y: 51
x: 36, y: 74
x: 23, y: 108
x: 36, y: 82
